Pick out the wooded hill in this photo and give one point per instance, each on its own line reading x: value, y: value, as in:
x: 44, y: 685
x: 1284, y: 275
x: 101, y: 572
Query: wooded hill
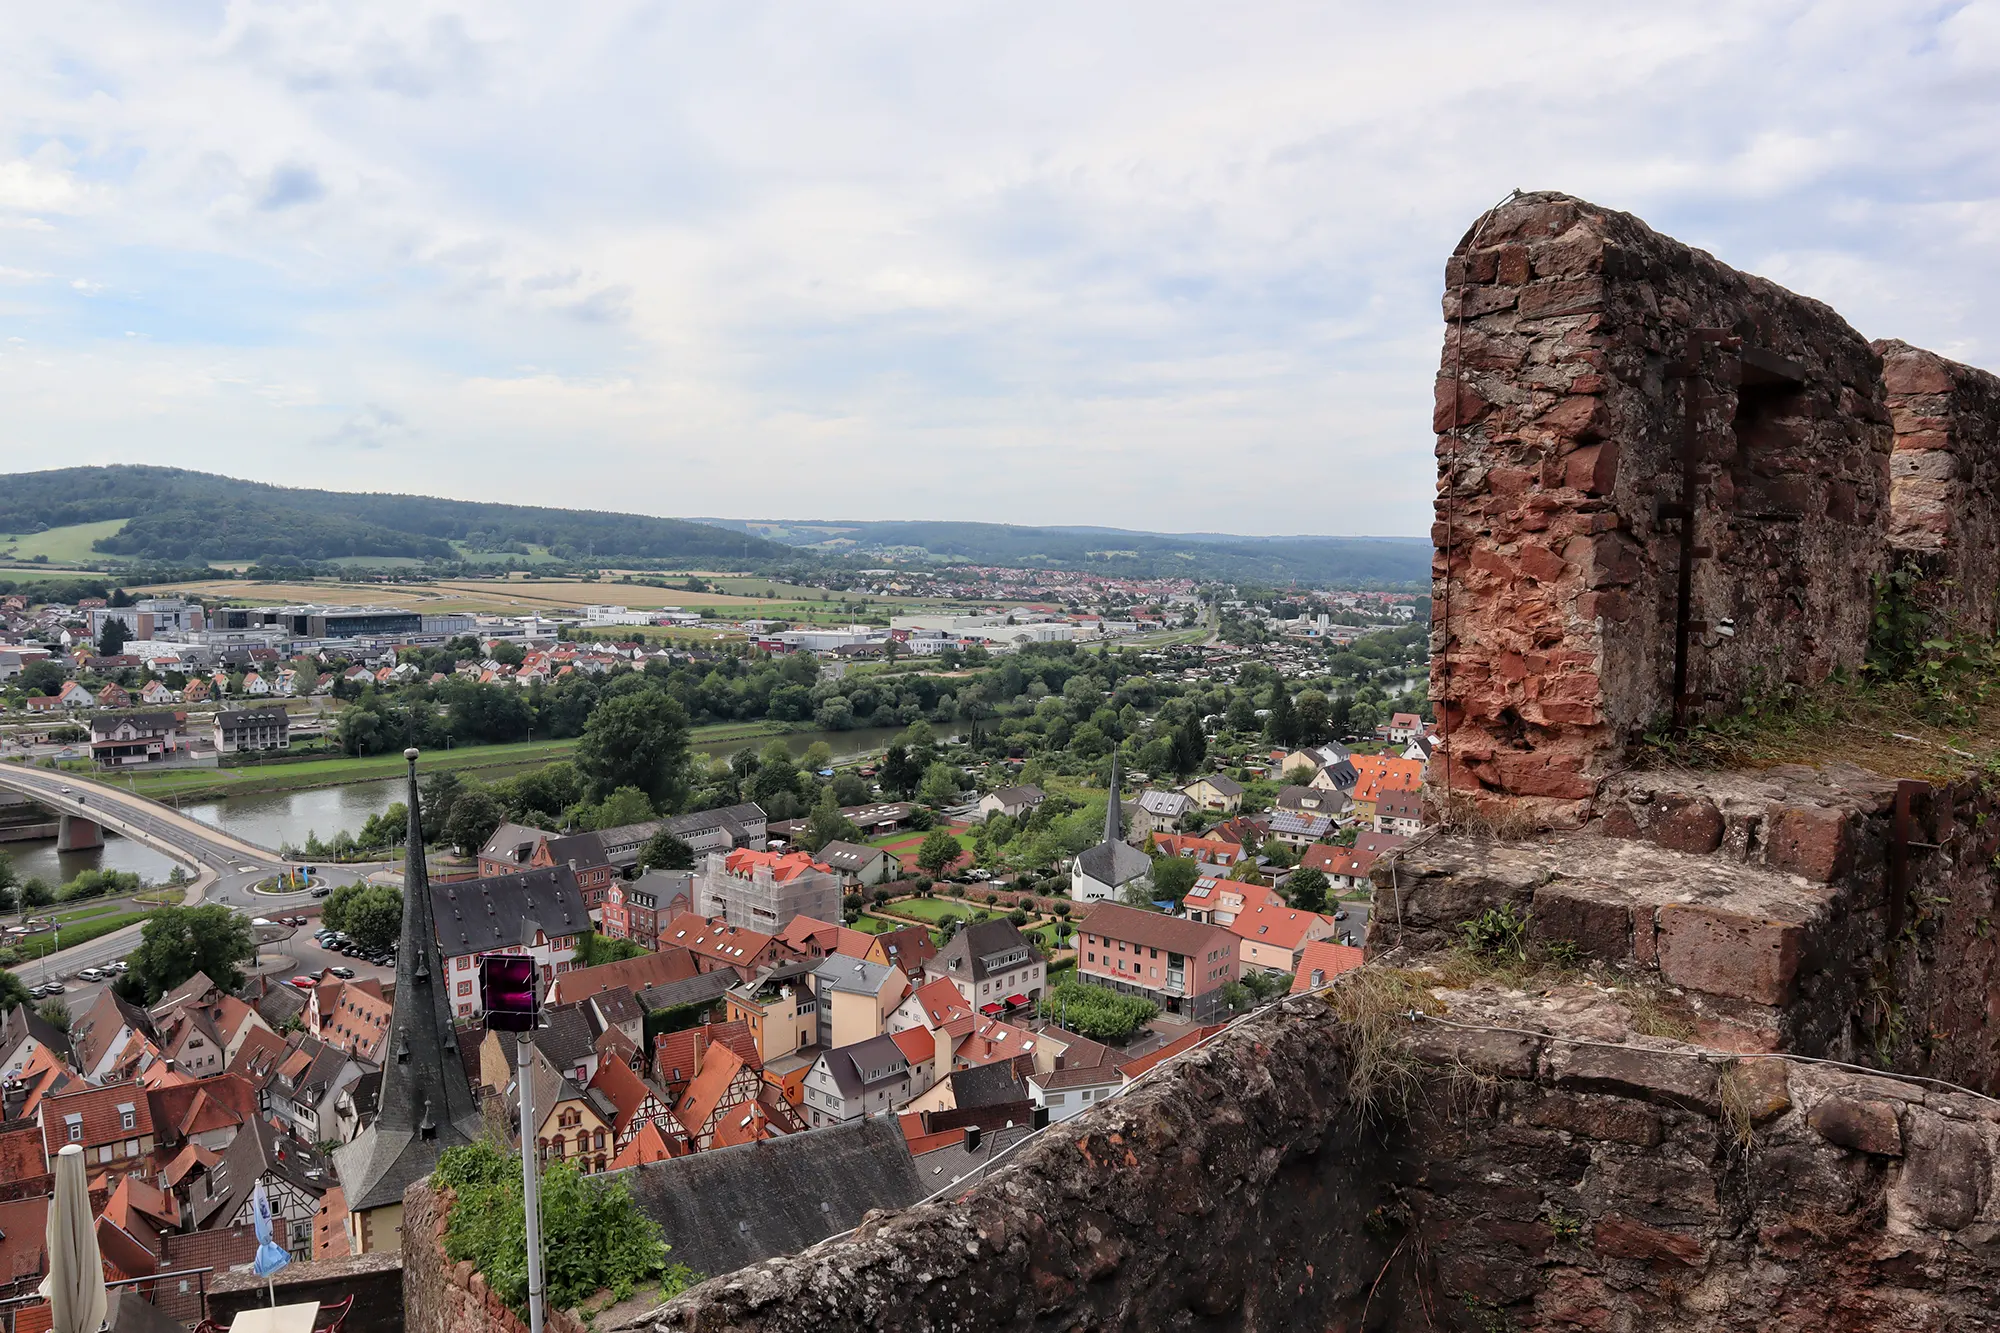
x: 177, y: 515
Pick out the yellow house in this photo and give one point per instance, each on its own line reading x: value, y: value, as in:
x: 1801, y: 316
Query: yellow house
x: 855, y: 998
x: 1216, y: 793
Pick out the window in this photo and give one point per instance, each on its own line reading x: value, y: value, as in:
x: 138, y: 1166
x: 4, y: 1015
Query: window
x: 465, y: 988
x: 104, y: 1153
x: 131, y: 1147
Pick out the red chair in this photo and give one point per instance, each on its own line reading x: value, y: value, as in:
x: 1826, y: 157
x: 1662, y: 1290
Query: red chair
x: 332, y: 1318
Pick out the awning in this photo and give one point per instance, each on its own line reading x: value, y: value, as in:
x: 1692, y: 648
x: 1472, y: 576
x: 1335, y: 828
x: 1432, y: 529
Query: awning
x: 1016, y: 1001
x: 991, y: 1009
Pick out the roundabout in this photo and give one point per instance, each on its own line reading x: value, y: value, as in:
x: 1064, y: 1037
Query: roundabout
x: 289, y: 883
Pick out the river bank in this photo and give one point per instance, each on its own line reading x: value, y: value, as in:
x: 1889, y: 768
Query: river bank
x: 287, y: 803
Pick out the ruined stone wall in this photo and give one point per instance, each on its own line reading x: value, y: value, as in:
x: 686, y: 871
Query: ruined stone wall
x: 1586, y: 355
x: 1944, y: 497
x: 439, y: 1296
x: 1793, y: 905
x: 1545, y: 1183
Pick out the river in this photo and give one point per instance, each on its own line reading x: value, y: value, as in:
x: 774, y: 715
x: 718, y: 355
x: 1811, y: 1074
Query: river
x: 270, y: 819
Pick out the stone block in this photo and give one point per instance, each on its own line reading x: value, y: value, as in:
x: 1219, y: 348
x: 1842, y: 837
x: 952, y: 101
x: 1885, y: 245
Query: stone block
x: 1612, y: 1119
x: 1728, y: 953
x: 1811, y: 841
x: 1596, y: 923
x: 1761, y: 1089
x: 1664, y: 1078
x: 1507, y: 1054
x: 1947, y: 1172
x: 1619, y: 1237
x: 1865, y: 1126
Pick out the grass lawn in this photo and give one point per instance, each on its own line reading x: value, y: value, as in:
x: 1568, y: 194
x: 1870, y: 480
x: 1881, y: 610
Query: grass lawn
x: 36, y: 946
x: 186, y: 782
x: 79, y: 913
x: 876, y: 925
x: 928, y: 909
x: 65, y: 545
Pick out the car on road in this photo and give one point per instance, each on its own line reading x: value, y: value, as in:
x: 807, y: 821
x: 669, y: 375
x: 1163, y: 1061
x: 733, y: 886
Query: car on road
x: 304, y: 982
x: 262, y: 921
x: 69, y: 791
x: 321, y: 891
x: 344, y: 973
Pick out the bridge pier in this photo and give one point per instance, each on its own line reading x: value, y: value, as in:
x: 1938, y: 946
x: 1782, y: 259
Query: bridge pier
x: 75, y: 833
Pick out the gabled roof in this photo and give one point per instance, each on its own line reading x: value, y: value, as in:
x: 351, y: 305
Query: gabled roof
x: 987, y: 1085
x: 23, y: 1225
x: 991, y: 1041
x: 23, y: 1158
x: 857, y: 976
x: 731, y: 1207
x: 102, y: 1113
x: 1114, y: 863
x: 22, y: 1023
x: 972, y: 952
x: 1220, y: 784
x: 783, y: 866
x: 93, y: 1033
x: 632, y: 974
x: 910, y: 948
x: 719, y: 1067
x: 714, y: 939
x: 1137, y: 926
x: 648, y: 1145
x: 1171, y: 804
x: 625, y: 1089
x: 851, y: 1065
x: 852, y: 857
x: 500, y: 911
x: 1322, y: 961
x: 1273, y: 923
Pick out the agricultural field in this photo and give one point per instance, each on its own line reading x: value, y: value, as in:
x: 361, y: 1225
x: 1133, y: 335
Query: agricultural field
x: 63, y: 546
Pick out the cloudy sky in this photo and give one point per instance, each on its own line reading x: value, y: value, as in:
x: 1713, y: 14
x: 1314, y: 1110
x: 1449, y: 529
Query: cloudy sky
x: 1156, y: 264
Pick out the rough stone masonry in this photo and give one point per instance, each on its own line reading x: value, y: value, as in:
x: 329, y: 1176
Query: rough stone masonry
x: 1665, y: 487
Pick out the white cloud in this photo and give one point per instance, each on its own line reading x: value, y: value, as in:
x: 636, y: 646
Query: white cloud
x: 1153, y: 264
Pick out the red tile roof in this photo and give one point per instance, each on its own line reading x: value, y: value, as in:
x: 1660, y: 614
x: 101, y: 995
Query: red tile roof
x: 1134, y: 1068
x: 648, y: 1145
x: 23, y: 1224
x: 100, y: 1116
x: 23, y: 1158
x: 634, y: 974
x: 1276, y: 924
x: 715, y: 939
x: 941, y: 1002
x: 1329, y: 960
x: 783, y: 866
x: 675, y: 1054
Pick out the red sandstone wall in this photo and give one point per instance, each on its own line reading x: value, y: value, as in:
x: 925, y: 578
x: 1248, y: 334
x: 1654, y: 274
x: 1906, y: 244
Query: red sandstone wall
x: 440, y: 1296
x: 1568, y: 330
x: 1944, y: 497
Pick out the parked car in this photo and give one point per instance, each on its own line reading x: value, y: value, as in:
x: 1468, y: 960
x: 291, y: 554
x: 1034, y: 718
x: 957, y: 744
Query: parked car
x: 90, y: 974
x: 53, y: 988
x: 304, y: 982
x: 344, y: 973
x: 121, y: 966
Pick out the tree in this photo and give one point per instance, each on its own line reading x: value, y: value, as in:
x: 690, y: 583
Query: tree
x: 53, y: 1011
x: 41, y: 678
x: 817, y: 758
x: 827, y: 824
x: 10, y: 882
x: 637, y: 740
x: 1236, y: 996
x: 333, y: 911
x: 937, y: 851
x: 475, y: 815
x: 1173, y: 876
x: 1242, y: 714
x: 626, y: 806
x: 112, y: 638
x: 441, y: 791
x: 375, y: 920
x: 850, y: 789
x: 1190, y: 745
x: 1139, y: 893
x: 36, y: 893
x: 940, y: 785
x: 664, y: 851
x: 178, y: 942
x: 1307, y: 889
x: 900, y: 773
x: 1314, y: 718
x: 1282, y: 726
x: 12, y: 992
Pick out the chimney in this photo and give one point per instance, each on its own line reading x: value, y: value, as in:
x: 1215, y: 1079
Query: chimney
x: 700, y: 1044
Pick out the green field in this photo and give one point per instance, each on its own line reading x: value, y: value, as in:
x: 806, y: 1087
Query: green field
x: 63, y: 546
x: 36, y: 946
x: 79, y: 913
x: 929, y: 909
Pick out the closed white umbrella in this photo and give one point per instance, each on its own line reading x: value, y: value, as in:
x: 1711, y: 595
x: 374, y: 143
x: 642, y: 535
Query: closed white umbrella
x: 75, y: 1284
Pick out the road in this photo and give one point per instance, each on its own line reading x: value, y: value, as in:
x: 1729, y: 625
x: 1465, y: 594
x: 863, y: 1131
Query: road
x: 225, y: 866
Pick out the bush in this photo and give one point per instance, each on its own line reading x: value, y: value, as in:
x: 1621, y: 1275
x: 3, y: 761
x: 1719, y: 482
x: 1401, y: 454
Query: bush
x: 593, y: 1234
x: 98, y: 884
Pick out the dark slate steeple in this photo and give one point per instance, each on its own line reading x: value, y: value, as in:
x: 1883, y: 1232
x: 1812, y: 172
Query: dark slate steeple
x: 1114, y: 830
x: 427, y: 1103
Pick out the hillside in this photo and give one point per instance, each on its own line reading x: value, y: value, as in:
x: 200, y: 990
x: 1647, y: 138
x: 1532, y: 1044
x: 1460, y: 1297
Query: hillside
x: 175, y: 515
x: 1366, y: 561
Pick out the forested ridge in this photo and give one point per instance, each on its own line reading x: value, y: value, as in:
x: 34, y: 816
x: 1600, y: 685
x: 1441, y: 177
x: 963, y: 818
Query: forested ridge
x: 174, y: 514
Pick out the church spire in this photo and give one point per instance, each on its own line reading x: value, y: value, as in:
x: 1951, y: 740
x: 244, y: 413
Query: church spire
x: 1113, y: 830
x: 426, y: 1102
